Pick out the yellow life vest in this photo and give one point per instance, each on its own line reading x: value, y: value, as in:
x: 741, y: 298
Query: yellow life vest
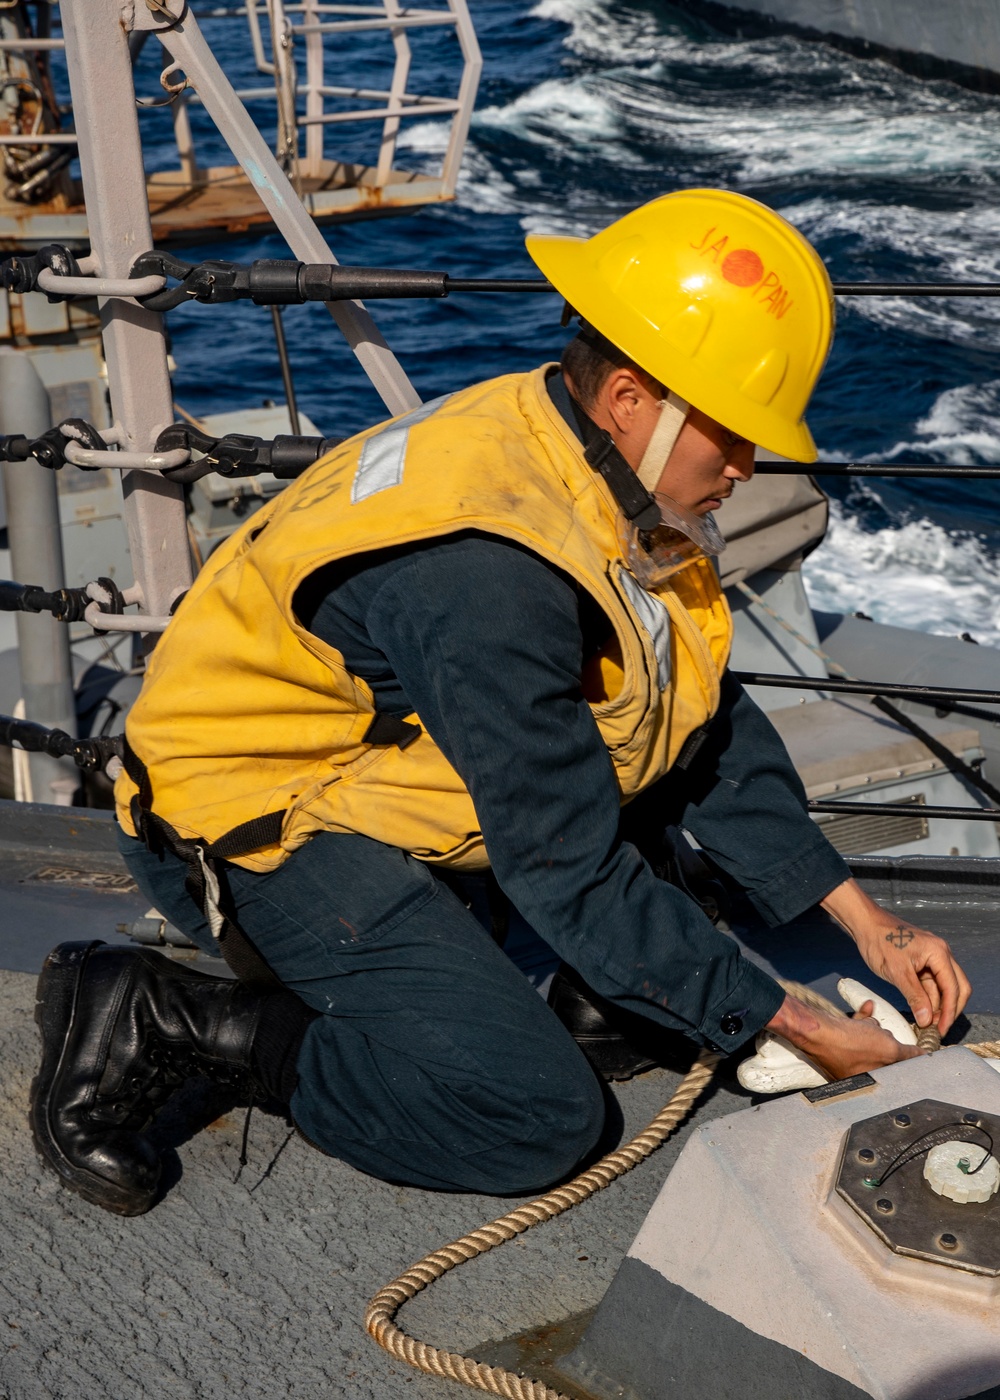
x: 244, y: 712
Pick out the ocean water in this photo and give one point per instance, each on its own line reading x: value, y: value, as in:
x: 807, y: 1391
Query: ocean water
x: 590, y: 107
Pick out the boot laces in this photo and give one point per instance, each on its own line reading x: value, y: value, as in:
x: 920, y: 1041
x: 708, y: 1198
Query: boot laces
x: 246, y: 1136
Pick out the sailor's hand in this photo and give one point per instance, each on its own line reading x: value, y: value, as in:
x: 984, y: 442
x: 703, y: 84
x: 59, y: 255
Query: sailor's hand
x: 840, y: 1045
x: 919, y: 963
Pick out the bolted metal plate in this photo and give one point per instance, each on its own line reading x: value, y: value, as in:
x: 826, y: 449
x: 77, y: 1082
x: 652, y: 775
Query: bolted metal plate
x: 899, y: 1205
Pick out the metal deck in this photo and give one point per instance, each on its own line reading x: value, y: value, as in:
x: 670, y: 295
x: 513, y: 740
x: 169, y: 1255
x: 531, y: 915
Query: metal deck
x: 257, y: 1287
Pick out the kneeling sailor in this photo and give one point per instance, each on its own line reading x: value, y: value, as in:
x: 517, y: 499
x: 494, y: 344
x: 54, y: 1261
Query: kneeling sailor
x: 481, y: 648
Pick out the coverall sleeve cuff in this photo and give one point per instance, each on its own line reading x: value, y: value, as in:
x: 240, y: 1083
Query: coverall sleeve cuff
x: 743, y: 1012
x: 801, y: 884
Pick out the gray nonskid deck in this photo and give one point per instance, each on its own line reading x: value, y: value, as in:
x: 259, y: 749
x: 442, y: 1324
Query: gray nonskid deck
x: 258, y: 1287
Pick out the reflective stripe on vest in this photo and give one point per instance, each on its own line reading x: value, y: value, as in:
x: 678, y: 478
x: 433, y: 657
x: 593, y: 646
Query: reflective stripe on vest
x: 383, y: 456
x: 654, y: 617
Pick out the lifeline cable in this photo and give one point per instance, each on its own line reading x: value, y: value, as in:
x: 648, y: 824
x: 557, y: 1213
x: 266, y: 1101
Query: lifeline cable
x: 271, y: 281
x: 380, y: 1314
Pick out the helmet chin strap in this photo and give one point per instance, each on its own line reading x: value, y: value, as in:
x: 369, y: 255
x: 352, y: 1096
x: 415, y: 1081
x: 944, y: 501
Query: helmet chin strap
x: 673, y: 415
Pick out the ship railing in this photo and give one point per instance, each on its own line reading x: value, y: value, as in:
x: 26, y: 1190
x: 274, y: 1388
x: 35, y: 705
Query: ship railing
x: 302, y: 98
x: 30, y: 45
x: 38, y: 138
x: 944, y: 700
x: 105, y: 753
x: 270, y: 282
x: 306, y: 103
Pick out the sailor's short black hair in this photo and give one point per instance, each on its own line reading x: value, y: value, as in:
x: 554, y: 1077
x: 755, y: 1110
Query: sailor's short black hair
x: 588, y: 359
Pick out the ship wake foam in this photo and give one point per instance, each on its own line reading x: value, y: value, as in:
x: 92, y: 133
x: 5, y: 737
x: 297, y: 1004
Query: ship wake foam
x: 915, y: 575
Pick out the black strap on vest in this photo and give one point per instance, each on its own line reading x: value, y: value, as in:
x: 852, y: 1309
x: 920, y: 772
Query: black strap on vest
x: 158, y: 835
x: 601, y: 453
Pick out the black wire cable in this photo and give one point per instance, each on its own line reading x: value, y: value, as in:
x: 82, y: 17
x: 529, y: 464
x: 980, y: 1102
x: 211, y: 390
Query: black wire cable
x: 841, y: 289
x: 937, y: 1136
x: 952, y: 761
x: 904, y: 469
x: 836, y: 807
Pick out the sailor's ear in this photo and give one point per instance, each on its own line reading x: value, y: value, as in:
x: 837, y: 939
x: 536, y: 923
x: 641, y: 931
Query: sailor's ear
x: 623, y: 395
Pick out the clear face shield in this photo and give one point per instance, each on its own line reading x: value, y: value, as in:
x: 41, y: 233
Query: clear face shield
x: 681, y: 537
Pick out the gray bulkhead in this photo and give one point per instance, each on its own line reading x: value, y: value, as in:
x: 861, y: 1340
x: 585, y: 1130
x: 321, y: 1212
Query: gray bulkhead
x: 843, y: 748
x: 960, y: 39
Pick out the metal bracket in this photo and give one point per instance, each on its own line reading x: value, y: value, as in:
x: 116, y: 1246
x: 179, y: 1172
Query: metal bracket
x: 105, y: 613
x: 78, y: 442
x: 91, y: 460
x: 55, y: 271
x: 100, y: 603
x: 153, y: 15
x: 62, y: 287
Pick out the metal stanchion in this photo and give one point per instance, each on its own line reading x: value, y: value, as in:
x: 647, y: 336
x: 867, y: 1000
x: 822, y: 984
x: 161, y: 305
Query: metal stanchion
x: 37, y: 555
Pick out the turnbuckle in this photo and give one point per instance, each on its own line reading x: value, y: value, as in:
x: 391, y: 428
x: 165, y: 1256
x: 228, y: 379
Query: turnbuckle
x: 90, y: 755
x: 279, y: 282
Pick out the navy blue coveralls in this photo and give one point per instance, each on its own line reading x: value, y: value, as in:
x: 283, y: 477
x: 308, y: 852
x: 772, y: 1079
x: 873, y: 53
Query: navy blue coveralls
x: 434, y: 1061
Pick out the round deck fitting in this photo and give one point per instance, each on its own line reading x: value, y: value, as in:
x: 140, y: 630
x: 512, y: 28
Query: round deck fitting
x: 962, y: 1172
x: 902, y: 1173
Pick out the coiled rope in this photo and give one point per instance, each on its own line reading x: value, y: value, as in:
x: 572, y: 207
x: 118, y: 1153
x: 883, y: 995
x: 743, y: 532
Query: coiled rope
x: 380, y: 1316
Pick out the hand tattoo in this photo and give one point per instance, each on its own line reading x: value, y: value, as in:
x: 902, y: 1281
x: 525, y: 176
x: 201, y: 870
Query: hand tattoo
x: 901, y: 936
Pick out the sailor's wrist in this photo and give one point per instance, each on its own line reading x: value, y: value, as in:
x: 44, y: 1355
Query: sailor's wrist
x: 851, y: 908
x: 796, y: 1022
x: 736, y: 1018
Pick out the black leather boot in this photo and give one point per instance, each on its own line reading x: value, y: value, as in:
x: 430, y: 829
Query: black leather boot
x: 620, y: 1044
x: 121, y: 1030
x: 598, y: 1028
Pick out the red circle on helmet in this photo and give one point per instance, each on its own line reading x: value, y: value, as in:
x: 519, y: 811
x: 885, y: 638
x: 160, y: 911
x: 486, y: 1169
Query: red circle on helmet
x: 742, y: 267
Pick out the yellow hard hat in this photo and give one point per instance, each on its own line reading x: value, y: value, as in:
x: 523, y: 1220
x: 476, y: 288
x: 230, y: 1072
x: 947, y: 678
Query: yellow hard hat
x: 717, y: 297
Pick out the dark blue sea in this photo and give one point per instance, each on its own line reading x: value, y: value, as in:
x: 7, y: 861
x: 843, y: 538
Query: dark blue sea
x: 588, y: 108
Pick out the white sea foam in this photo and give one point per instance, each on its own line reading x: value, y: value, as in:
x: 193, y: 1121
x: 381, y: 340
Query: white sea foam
x: 576, y: 117
x: 962, y: 427
x: 618, y: 99
x: 608, y: 31
x: 581, y: 112
x: 850, y: 138
x: 916, y: 575
x: 953, y: 244
x: 481, y: 187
